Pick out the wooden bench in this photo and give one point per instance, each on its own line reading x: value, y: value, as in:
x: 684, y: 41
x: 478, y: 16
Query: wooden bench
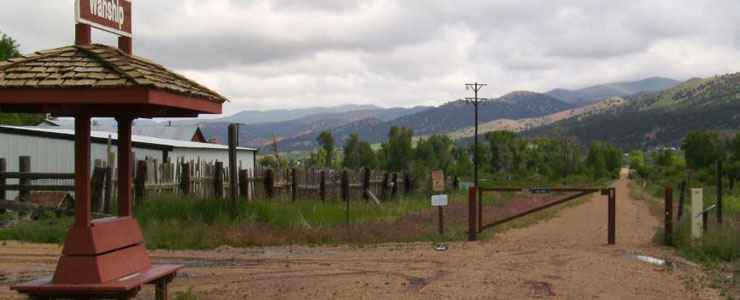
x: 123, y: 288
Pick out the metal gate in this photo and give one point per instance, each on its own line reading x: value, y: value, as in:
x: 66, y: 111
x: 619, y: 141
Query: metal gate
x: 476, y: 223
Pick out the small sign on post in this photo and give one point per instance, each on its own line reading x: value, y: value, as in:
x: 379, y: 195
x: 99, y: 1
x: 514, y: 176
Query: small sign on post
x: 438, y: 181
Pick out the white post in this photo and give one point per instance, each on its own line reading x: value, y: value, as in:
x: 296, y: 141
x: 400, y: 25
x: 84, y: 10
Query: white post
x: 697, y: 206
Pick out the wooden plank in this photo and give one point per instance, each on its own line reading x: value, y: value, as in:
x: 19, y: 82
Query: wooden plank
x: 35, y: 176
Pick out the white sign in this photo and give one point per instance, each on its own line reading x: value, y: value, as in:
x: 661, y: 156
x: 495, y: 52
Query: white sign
x: 439, y: 200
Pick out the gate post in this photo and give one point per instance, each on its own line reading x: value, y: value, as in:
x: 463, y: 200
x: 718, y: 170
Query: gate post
x: 668, y: 229
x: 24, y: 166
x: 612, y: 216
x: 472, y: 213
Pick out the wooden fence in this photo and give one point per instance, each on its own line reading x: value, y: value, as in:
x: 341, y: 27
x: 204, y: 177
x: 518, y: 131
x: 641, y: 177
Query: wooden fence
x: 205, y: 180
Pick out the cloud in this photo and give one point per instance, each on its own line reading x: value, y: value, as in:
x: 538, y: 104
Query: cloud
x: 292, y: 53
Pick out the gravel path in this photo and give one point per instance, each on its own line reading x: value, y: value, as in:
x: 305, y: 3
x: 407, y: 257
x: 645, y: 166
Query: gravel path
x: 565, y: 257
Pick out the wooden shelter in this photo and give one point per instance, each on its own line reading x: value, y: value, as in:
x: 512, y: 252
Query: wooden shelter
x: 104, y: 257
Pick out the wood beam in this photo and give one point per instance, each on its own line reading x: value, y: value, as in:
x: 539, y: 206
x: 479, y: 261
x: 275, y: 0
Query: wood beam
x: 125, y: 204
x: 82, y: 170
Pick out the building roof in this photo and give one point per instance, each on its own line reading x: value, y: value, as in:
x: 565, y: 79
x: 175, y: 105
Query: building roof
x: 181, y: 133
x: 97, y: 66
x: 102, y: 137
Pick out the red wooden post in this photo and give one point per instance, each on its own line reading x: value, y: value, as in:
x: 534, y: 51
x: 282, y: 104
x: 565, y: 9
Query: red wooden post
x: 82, y: 170
x: 472, y: 214
x: 612, y: 216
x: 126, y: 44
x: 125, y: 205
x: 83, y: 34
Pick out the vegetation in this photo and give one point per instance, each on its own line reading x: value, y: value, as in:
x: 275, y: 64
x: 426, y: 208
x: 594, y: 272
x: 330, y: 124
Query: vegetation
x: 9, y: 49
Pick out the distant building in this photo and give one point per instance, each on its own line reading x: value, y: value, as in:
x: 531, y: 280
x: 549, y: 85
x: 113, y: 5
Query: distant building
x: 52, y: 150
x: 165, y: 131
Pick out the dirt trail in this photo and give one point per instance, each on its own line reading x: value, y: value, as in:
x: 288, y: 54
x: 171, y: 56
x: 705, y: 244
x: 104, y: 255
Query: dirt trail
x: 565, y: 257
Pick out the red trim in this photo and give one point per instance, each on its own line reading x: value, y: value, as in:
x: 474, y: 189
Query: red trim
x: 82, y: 171
x: 125, y: 205
x: 106, y: 101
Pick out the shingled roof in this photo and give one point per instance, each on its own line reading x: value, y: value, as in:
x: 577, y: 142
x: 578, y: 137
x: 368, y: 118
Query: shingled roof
x: 96, y: 66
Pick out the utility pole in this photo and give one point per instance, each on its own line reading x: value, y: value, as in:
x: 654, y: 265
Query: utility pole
x: 475, y: 101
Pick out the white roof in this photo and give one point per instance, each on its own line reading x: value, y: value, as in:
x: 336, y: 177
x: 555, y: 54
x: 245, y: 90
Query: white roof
x: 134, y: 138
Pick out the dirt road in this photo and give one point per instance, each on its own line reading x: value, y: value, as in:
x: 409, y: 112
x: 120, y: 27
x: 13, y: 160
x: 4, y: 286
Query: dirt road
x: 565, y: 257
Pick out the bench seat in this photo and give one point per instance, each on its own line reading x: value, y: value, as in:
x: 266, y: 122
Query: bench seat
x: 122, y: 288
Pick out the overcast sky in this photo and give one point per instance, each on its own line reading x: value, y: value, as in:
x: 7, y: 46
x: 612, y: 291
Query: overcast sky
x: 266, y: 54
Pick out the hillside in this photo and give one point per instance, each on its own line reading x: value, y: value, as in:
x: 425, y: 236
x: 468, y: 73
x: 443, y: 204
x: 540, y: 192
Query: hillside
x: 664, y: 118
x: 531, y: 123
x: 443, y: 119
x: 616, y: 89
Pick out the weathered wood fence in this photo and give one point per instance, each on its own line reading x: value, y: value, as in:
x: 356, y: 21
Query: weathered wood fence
x: 206, y: 180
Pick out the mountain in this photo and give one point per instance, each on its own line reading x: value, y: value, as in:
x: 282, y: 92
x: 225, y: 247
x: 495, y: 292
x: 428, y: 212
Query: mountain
x: 442, y: 119
x: 616, y: 89
x: 261, y: 134
x: 281, y: 115
x: 659, y: 119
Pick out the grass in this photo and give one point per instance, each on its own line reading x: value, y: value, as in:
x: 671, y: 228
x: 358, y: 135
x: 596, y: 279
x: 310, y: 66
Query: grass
x: 170, y: 222
x: 719, y: 248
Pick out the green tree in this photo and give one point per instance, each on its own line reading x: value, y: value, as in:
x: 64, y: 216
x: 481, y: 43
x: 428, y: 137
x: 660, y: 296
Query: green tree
x: 501, y: 146
x: 604, y: 160
x: 9, y: 49
x: 702, y: 149
x: 398, y: 151
x: 358, y: 154
x: 268, y: 162
x: 327, y: 144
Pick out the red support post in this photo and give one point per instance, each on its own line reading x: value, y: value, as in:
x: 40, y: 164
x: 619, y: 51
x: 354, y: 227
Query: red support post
x: 472, y: 214
x: 125, y: 206
x: 612, y: 226
x: 83, y: 34
x: 126, y: 45
x: 82, y: 171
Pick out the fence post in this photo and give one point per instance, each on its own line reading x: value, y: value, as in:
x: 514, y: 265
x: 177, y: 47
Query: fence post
x: 668, y: 228
x: 185, y: 178
x: 293, y: 184
x: 384, y: 187
x: 697, y: 206
x: 24, y: 166
x: 472, y: 214
x: 218, y: 180
x: 233, y: 191
x: 140, y: 182
x: 345, y: 185
x: 394, y: 188
x: 108, y: 190
x: 719, y: 192
x: 366, y: 184
x: 681, y: 199
x: 3, y: 193
x: 244, y: 184
x: 406, y: 184
x: 456, y: 183
x: 612, y: 216
x: 322, y: 185
x: 269, y: 181
x: 97, y: 183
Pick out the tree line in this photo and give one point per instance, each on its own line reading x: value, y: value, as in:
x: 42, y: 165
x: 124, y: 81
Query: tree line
x: 499, y: 153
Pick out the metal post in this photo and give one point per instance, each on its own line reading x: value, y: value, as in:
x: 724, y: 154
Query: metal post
x: 472, y: 212
x: 719, y: 192
x: 681, y: 199
x: 480, y: 210
x: 476, y: 88
x: 668, y: 228
x: 366, y: 184
x: 3, y: 193
x: 441, y: 220
x: 345, y: 191
x: 294, y: 184
x: 322, y: 185
x: 612, y: 216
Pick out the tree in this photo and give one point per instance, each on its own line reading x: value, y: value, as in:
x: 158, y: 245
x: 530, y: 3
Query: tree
x: 8, y: 47
x: 326, y: 141
x: 268, y: 162
x: 358, y: 154
x: 398, y: 150
x: 604, y: 160
x: 500, y: 143
x: 702, y: 149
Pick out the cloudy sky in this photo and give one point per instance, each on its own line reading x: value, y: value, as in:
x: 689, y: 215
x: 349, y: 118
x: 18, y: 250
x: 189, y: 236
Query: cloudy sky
x: 265, y: 54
